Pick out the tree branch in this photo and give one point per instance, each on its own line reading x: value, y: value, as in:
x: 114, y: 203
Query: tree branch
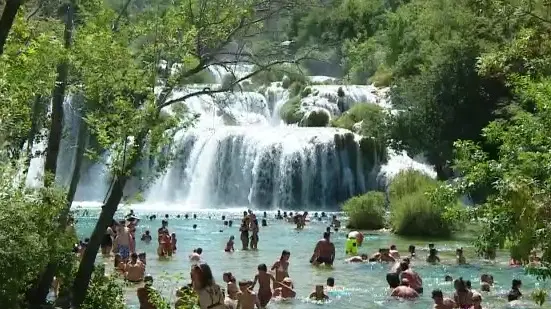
x: 227, y: 88
x: 6, y: 21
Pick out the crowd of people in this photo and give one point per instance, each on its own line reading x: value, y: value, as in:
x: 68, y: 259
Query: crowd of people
x: 275, y: 282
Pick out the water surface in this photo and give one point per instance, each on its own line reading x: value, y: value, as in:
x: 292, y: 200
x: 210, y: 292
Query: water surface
x: 364, y: 284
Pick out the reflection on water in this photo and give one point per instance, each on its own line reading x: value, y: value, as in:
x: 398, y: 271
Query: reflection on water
x: 363, y: 285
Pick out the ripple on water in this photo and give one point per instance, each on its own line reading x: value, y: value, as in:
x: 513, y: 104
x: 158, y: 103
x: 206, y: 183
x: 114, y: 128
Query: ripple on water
x: 363, y: 285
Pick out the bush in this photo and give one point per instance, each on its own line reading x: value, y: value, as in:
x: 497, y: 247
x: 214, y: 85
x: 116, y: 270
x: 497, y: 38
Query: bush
x: 316, y: 118
x: 306, y: 92
x: 29, y: 238
x: 104, y: 292
x: 415, y: 215
x: 296, y: 88
x: 382, y: 77
x: 366, y: 212
x: 409, y: 182
x: 371, y: 113
x: 278, y: 73
x: 290, y: 111
x: 203, y: 77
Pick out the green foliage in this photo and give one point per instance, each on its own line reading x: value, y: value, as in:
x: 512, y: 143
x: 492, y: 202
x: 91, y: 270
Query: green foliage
x: 416, y: 215
x: 408, y: 182
x: 366, y: 211
x: 105, y: 292
x: 316, y: 118
x: 306, y: 92
x: 290, y: 111
x: 516, y: 209
x: 187, y: 298
x: 419, y: 208
x: 296, y: 88
x: 29, y: 238
x: 27, y: 73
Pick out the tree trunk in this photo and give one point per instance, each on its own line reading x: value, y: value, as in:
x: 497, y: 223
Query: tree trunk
x: 40, y: 292
x: 86, y: 267
x: 6, y: 21
x: 56, y: 126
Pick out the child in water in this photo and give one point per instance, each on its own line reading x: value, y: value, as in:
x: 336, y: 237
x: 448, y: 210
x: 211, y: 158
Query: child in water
x: 246, y: 299
x: 319, y: 294
x: 460, y: 257
x: 174, y: 241
x: 264, y: 287
x: 229, y: 245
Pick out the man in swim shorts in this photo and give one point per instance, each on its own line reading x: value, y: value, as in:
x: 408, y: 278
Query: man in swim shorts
x: 324, y: 253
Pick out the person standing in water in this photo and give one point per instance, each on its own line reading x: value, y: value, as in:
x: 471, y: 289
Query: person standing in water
x: 264, y: 288
x: 281, y: 268
x: 324, y: 252
x: 244, y: 229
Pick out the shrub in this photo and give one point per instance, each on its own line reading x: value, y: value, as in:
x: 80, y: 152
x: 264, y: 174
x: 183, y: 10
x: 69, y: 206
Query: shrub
x: 373, y: 114
x: 415, y: 215
x: 296, y: 88
x: 290, y: 111
x: 409, y: 182
x: 29, y: 238
x: 316, y: 118
x: 382, y: 77
x: 104, y: 292
x: 277, y: 73
x: 366, y: 211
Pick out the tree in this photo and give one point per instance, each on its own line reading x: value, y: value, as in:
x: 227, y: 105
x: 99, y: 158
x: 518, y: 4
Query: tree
x: 6, y: 21
x: 121, y: 76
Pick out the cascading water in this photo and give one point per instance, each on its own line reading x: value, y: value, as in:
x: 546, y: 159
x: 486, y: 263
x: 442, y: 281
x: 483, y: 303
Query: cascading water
x: 240, y: 153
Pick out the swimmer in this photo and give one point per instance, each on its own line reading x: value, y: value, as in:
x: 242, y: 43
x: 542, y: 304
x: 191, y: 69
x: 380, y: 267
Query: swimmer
x: 440, y: 302
x: 324, y: 252
x: 477, y: 301
x: 173, y: 241
x: 146, y: 237
x: 433, y: 258
x: 394, y: 252
x: 411, y: 251
x: 319, y: 294
x: 404, y: 290
x: 229, y: 245
x: 330, y: 284
x: 486, y: 282
x: 448, y: 278
x: 514, y: 293
x: 412, y: 277
x: 460, y: 258
x: 285, y: 289
x: 281, y: 267
x: 247, y: 298
x: 385, y: 255
x: 196, y: 255
x: 264, y: 289
x: 463, y: 297
x: 358, y: 259
x: 135, y: 269
x: 231, y: 287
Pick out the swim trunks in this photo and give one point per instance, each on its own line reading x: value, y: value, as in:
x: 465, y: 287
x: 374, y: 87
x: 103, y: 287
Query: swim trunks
x: 324, y: 260
x: 124, y: 251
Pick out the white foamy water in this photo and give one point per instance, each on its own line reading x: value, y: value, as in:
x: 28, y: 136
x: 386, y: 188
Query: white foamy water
x: 241, y: 154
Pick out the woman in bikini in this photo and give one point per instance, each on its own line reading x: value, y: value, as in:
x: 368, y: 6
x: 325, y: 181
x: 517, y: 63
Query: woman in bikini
x: 281, y: 268
x: 210, y: 294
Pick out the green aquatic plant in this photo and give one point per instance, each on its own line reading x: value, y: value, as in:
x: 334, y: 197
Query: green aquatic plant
x: 290, y: 111
x: 316, y: 118
x: 366, y: 212
x: 539, y: 296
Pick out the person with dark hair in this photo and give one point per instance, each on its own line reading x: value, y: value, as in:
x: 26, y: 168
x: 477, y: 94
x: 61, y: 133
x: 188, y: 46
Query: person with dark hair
x: 514, y: 293
x: 147, y: 294
x: 463, y: 297
x: 393, y: 279
x: 281, y: 267
x: 413, y: 277
x: 264, y: 288
x: 231, y: 286
x: 411, y: 251
x: 330, y: 282
x: 210, y: 294
x: 324, y: 252
x: 404, y: 290
x: 440, y: 302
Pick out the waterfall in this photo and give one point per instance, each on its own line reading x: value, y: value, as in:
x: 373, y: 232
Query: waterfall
x: 240, y: 153
x: 263, y: 166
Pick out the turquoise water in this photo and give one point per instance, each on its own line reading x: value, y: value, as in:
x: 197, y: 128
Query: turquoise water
x: 364, y: 284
